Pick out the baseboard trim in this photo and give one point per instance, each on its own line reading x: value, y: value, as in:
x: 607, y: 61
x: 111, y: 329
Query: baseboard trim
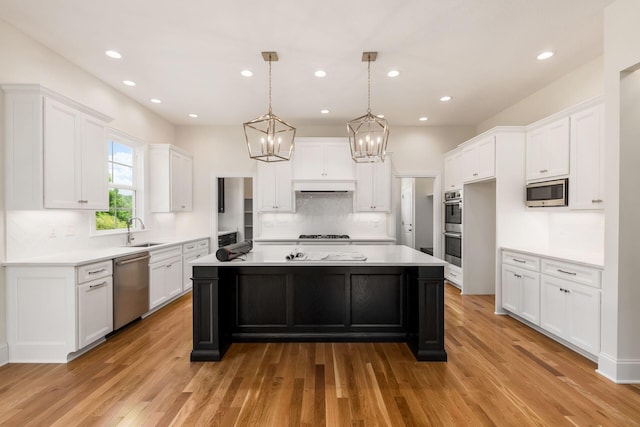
x: 620, y: 371
x: 4, y: 354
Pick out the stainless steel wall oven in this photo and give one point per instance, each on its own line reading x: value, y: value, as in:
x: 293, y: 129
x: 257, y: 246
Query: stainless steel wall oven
x: 453, y: 227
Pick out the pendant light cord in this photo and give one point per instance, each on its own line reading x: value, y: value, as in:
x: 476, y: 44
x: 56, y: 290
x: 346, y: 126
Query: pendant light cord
x: 369, y: 84
x: 269, y: 83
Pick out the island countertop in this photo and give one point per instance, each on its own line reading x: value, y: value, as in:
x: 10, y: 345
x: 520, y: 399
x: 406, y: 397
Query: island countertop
x: 376, y: 255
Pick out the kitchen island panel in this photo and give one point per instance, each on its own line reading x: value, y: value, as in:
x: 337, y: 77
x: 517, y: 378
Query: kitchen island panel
x: 331, y: 303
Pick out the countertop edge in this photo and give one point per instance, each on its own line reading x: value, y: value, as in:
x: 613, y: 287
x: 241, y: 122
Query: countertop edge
x: 556, y: 257
x: 102, y: 254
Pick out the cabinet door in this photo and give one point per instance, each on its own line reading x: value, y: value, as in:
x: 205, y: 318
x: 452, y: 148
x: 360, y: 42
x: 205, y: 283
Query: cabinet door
x: 95, y: 310
x: 173, y: 277
x: 95, y: 177
x: 453, y: 171
x: 62, y: 156
x: 382, y: 186
x: 309, y: 161
x: 530, y: 294
x: 338, y: 163
x: 553, y: 305
x: 187, y: 271
x: 274, y: 187
x: 511, y: 289
x: 486, y: 155
x: 364, y: 187
x: 548, y: 151
x: 180, y: 182
x: 157, y: 294
x: 584, y: 317
x: 587, y: 160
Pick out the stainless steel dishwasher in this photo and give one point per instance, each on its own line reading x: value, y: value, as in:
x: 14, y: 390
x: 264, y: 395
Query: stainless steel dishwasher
x: 130, y: 288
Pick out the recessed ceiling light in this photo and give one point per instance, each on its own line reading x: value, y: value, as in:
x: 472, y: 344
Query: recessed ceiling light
x: 193, y: 116
x: 324, y: 111
x: 381, y: 116
x: 423, y: 119
x: 393, y: 73
x: 445, y: 98
x: 545, y: 55
x: 246, y: 73
x: 155, y: 101
x: 113, y: 54
x: 128, y: 83
x: 320, y: 73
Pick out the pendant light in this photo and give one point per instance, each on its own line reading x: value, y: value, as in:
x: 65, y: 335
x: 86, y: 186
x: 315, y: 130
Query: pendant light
x: 268, y: 137
x: 368, y: 134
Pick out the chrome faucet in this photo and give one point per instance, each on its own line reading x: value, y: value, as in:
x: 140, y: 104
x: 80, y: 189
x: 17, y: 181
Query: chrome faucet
x: 129, y: 233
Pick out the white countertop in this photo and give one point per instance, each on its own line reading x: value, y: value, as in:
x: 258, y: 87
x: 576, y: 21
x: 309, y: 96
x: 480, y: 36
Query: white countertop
x: 223, y: 232
x: 292, y: 240
x: 586, y: 259
x: 86, y: 256
x: 376, y: 255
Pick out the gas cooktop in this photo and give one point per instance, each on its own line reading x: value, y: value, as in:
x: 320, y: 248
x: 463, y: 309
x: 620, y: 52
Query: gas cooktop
x: 324, y: 236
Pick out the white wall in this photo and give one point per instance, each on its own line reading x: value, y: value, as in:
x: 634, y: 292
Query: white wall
x: 620, y: 353
x: 579, y: 85
x: 4, y: 356
x: 423, y: 222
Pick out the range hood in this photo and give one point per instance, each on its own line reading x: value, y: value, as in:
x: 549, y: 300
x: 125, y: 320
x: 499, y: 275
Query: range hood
x: 324, y: 186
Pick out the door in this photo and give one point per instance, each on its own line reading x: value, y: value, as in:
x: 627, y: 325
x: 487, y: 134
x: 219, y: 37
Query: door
x: 407, y: 212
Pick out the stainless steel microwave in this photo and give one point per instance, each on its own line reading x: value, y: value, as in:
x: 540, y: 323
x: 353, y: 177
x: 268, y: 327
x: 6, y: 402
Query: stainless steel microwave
x: 548, y: 193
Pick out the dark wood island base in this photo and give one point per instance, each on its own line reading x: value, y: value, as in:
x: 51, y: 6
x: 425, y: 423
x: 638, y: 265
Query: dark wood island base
x: 236, y: 303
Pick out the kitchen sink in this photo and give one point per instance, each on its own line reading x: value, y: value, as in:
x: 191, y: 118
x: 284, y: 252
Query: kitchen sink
x: 146, y: 245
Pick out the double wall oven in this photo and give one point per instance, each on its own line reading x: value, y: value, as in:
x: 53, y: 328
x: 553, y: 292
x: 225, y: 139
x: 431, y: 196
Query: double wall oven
x: 453, y: 227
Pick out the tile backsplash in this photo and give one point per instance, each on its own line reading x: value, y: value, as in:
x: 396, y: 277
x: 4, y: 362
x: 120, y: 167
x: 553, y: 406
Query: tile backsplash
x: 324, y: 213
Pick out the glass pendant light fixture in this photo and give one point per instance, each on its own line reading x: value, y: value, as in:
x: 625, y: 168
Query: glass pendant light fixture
x: 368, y: 134
x: 268, y: 137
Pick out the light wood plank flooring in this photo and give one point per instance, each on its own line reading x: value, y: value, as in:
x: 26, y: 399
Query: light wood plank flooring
x: 499, y: 373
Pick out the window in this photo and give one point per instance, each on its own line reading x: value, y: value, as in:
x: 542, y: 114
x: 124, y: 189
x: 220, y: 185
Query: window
x: 122, y: 188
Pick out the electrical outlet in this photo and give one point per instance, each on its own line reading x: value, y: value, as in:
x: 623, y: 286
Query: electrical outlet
x: 52, y: 232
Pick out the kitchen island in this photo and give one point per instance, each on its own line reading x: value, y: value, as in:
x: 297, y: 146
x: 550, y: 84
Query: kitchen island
x: 383, y: 293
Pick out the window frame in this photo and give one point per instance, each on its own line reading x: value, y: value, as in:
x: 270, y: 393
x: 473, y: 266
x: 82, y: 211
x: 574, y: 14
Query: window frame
x: 138, y: 173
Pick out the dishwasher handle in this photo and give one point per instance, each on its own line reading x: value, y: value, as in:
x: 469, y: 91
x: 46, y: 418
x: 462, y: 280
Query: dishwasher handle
x: 128, y: 261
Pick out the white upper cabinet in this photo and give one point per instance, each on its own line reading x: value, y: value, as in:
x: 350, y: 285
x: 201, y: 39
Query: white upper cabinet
x: 548, y: 151
x: 323, y: 159
x: 479, y: 160
x: 171, y: 179
x: 453, y: 171
x: 586, y: 184
x: 373, y: 186
x: 56, y: 151
x: 75, y: 159
x: 275, y: 193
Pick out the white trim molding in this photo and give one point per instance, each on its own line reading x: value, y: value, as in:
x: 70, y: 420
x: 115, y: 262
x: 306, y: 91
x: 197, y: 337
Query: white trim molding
x: 4, y: 354
x: 620, y: 371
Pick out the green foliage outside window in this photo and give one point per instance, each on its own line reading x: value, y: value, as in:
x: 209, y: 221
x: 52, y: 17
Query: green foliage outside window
x: 120, y: 210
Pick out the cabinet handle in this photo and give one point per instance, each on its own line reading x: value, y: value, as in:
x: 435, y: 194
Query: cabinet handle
x: 567, y: 272
x: 97, y: 271
x: 453, y: 274
x: 83, y: 201
x: 169, y: 266
x: 566, y: 291
x: 183, y: 206
x: 99, y: 285
x: 452, y: 185
x: 190, y: 247
x: 475, y: 174
x: 543, y: 171
x: 596, y: 201
x: 519, y: 260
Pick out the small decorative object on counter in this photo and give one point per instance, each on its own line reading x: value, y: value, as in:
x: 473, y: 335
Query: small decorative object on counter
x: 297, y: 254
x: 229, y: 252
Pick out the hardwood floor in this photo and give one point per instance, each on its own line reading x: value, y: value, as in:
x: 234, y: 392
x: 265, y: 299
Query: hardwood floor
x: 499, y: 372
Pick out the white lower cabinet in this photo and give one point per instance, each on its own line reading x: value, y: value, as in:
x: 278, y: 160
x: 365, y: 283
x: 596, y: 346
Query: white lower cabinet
x: 453, y: 274
x: 190, y: 252
x: 95, y: 310
x: 521, y: 292
x: 572, y: 312
x: 165, y: 275
x: 561, y: 297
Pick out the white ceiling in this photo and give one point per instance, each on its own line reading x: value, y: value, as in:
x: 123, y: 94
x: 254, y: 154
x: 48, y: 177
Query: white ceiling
x: 190, y: 53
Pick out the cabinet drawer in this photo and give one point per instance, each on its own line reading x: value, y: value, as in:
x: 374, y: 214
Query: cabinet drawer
x: 453, y: 274
x: 163, y: 254
x: 95, y: 271
x: 586, y: 275
x: 189, y: 247
x: 521, y: 260
x: 203, y: 244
